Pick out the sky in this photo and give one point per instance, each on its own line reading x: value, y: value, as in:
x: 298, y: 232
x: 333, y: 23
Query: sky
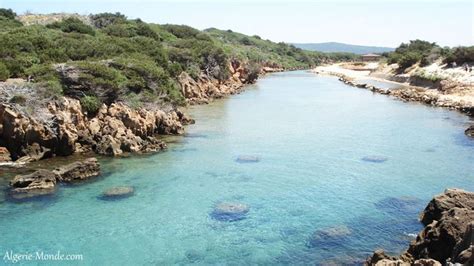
x: 364, y: 22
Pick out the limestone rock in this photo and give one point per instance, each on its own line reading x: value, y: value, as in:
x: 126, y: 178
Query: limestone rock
x: 37, y: 183
x: 449, y: 199
x: 78, y: 171
x: 4, y: 155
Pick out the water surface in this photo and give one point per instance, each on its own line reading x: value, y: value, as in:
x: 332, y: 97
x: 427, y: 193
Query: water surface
x: 313, y: 197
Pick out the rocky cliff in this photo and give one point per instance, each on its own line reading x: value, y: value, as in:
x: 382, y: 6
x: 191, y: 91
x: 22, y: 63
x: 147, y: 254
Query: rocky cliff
x: 448, y: 236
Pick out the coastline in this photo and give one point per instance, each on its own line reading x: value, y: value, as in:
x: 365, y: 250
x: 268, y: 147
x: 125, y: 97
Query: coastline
x: 450, y: 94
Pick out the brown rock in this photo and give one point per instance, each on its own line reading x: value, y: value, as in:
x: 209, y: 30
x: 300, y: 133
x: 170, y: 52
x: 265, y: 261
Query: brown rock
x: 37, y: 183
x: 4, y: 155
x: 449, y: 199
x: 470, y: 131
x: 78, y: 171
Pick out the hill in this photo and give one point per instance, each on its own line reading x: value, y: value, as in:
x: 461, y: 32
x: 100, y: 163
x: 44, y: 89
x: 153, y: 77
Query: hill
x: 335, y: 47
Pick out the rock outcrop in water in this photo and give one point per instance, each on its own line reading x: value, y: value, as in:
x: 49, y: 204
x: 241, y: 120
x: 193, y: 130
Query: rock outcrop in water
x: 43, y: 181
x: 470, y: 131
x: 114, y: 130
x: 448, y: 236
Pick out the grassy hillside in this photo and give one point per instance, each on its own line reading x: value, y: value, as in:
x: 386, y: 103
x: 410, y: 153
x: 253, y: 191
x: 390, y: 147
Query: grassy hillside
x: 332, y: 47
x: 113, y: 58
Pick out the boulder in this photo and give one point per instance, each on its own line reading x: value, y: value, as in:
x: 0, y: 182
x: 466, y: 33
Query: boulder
x: 39, y: 182
x: 230, y: 211
x: 78, y: 171
x: 117, y: 193
x: 470, y: 131
x: 448, y: 235
x: 448, y: 200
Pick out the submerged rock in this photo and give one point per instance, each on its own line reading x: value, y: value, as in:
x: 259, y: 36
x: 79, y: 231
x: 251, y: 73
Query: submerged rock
x: 40, y: 182
x: 400, y: 205
x: 117, y: 193
x: 375, y: 159
x: 328, y: 235
x: 78, y: 171
x: 247, y: 159
x: 230, y: 211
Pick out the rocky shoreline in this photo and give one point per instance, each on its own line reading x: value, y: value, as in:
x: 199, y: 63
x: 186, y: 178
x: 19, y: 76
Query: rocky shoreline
x: 413, y: 94
x: 448, y: 236
x: 63, y: 128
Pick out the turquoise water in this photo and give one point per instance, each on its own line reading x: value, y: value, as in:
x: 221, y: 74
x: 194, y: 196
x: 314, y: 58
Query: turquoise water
x: 310, y: 134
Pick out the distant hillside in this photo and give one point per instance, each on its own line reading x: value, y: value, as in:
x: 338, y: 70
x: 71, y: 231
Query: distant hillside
x: 331, y: 47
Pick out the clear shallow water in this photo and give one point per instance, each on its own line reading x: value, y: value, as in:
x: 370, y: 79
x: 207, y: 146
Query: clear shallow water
x: 311, y: 134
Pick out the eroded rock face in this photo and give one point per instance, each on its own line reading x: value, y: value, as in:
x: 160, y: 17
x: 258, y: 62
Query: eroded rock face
x: 78, y: 171
x: 448, y: 235
x: 114, y: 130
x: 4, y: 155
x: 450, y: 199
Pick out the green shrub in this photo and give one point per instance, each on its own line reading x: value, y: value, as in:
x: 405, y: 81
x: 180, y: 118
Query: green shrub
x: 182, y: 31
x: 90, y: 104
x: 4, y: 73
x: 72, y: 25
x: 103, y: 20
x: 18, y: 99
x: 408, y: 59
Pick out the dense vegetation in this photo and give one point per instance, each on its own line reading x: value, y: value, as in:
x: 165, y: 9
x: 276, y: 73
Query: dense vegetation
x: 425, y: 53
x: 122, y: 59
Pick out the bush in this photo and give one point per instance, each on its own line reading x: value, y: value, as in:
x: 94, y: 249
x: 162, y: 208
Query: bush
x: 72, y: 25
x: 4, y: 73
x: 90, y: 104
x: 103, y: 20
x: 7, y: 13
x: 182, y: 31
x: 408, y: 59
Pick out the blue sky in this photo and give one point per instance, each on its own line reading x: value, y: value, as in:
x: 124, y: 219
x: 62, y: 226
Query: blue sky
x: 367, y: 22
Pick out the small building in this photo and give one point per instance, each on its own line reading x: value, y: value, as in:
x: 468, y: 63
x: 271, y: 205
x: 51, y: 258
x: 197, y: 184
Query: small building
x: 370, y: 57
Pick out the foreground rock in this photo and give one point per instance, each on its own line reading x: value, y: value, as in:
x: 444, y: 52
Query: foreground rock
x: 448, y: 236
x: 117, y: 193
x: 40, y: 182
x: 78, y: 171
x: 229, y: 211
x: 43, y: 181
